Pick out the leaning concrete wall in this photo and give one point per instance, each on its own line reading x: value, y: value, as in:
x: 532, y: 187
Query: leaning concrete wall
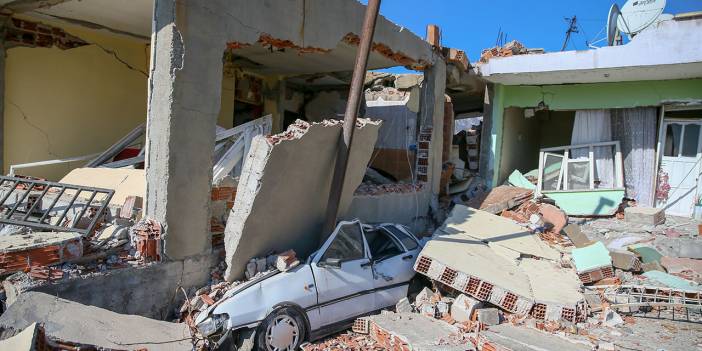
x: 282, y: 197
x: 150, y: 291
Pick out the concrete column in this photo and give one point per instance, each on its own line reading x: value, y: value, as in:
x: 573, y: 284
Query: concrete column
x: 184, y: 101
x: 432, y: 105
x: 486, y: 157
x: 3, y: 54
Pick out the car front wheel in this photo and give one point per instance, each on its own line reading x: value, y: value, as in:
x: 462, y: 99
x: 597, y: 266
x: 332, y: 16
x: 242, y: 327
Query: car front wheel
x: 282, y: 330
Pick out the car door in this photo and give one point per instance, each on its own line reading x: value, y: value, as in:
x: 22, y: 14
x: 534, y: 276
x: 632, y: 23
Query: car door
x: 393, y: 253
x: 343, y: 275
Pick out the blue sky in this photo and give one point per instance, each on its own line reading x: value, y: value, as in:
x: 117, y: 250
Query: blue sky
x: 473, y: 25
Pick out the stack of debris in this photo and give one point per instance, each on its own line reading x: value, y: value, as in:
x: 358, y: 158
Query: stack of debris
x: 510, y: 49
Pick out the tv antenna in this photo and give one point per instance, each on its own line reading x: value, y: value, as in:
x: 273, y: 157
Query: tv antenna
x: 572, y: 28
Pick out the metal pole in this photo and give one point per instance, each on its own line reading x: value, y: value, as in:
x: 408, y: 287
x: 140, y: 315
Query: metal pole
x: 350, y: 115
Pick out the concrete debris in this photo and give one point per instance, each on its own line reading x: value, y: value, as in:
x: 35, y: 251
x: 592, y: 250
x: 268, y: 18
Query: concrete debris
x: 489, y: 316
x: 463, y: 307
x: 509, y: 337
x: 88, y: 325
x: 26, y: 340
x: 409, y: 331
x: 272, y: 161
x: 687, y: 268
x: 612, y: 318
x: 146, y: 238
x: 644, y: 215
x: 593, y: 263
x: 403, y: 306
x: 625, y: 260
x: 576, y: 236
x: 21, y: 252
x: 500, y: 198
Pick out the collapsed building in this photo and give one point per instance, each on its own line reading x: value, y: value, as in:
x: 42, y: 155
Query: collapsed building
x: 97, y: 217
x: 217, y: 138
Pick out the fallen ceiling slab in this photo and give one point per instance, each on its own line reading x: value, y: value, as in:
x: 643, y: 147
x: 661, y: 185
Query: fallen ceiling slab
x: 496, y: 230
x: 67, y: 320
x: 282, y: 196
x: 125, y: 182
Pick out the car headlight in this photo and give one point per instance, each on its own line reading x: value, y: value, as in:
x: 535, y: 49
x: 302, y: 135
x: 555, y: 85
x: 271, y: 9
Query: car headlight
x: 212, y: 325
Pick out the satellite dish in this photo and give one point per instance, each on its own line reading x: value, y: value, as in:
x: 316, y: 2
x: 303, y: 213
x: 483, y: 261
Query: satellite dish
x: 612, y: 31
x: 636, y: 15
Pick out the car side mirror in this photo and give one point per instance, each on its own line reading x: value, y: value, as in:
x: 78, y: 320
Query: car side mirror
x: 331, y: 262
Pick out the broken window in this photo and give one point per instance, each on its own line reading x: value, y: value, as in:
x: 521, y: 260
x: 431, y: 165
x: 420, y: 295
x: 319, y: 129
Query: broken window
x: 347, y: 245
x: 382, y: 245
x: 581, y: 167
x: 672, y: 140
x: 406, y: 240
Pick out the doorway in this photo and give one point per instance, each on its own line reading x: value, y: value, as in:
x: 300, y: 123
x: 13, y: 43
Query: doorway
x: 680, y: 165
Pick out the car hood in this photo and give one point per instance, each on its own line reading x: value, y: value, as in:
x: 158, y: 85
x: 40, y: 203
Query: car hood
x: 252, y: 301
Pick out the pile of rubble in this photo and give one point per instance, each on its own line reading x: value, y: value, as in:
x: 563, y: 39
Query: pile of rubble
x: 510, y: 49
x: 513, y: 272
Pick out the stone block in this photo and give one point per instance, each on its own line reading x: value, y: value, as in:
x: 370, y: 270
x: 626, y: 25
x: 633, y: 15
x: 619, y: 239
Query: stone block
x: 462, y: 309
x: 625, y: 260
x: 489, y: 316
x: 644, y: 215
x: 403, y: 306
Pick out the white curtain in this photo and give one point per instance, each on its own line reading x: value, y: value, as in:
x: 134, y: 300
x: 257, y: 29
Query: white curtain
x: 635, y: 128
x: 593, y: 126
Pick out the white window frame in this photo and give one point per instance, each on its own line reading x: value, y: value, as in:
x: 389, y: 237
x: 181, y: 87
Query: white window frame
x: 563, y: 176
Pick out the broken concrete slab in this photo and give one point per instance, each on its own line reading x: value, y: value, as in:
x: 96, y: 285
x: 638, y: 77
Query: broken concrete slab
x: 672, y: 281
x: 283, y: 190
x: 411, y: 331
x: 592, y: 263
x: 500, y: 198
x: 22, y: 341
x: 125, y: 182
x: 556, y: 291
x: 489, y: 316
x: 644, y: 215
x: 576, y: 236
x: 462, y: 308
x: 19, y: 252
x: 683, y: 267
x: 625, y: 260
x: 509, y: 337
x: 486, y: 227
x: 472, y: 267
x: 67, y: 320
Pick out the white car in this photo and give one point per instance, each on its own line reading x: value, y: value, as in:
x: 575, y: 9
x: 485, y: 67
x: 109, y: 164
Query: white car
x: 359, y: 270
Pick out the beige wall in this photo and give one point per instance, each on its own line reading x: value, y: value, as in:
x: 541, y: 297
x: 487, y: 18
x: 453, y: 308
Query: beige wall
x: 66, y: 103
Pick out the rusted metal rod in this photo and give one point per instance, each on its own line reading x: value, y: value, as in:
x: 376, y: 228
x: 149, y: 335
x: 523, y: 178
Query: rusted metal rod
x: 350, y: 115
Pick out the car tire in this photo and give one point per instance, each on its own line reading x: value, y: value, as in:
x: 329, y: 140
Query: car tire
x: 284, y: 329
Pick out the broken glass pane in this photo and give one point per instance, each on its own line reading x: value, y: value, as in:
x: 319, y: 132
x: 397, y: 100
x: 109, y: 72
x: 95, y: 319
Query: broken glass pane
x: 578, y: 175
x: 690, y: 140
x: 552, y: 171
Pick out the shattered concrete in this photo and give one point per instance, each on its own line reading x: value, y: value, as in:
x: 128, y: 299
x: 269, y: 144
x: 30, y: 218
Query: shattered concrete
x: 90, y: 325
x: 411, y: 331
x: 283, y: 191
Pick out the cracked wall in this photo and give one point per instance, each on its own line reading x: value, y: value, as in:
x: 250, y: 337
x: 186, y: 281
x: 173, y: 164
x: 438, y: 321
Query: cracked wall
x: 66, y: 103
